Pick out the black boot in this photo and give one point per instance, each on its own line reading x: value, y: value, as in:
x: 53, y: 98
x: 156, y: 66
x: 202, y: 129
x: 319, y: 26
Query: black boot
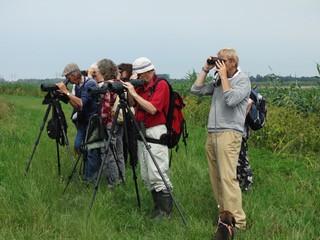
x: 165, y: 203
x: 156, y: 209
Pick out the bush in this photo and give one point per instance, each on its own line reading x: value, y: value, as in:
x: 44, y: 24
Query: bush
x: 304, y: 99
x: 286, y: 130
x: 197, y: 110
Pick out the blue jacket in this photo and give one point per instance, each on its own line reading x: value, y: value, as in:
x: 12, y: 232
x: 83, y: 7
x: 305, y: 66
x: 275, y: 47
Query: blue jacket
x: 89, y: 105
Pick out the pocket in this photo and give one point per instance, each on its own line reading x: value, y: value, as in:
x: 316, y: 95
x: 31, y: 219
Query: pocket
x: 236, y: 142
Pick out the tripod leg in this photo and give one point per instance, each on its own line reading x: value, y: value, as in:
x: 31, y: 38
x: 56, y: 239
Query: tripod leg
x: 67, y: 146
x: 136, y: 185
x: 38, y: 138
x: 147, y: 146
x: 125, y: 137
x: 83, y: 163
x: 59, y: 114
x: 106, y: 149
x: 116, y: 159
x: 96, y: 185
x: 58, y: 158
x: 72, y: 173
x: 126, y: 119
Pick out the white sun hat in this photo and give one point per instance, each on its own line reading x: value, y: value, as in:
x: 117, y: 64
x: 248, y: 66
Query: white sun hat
x: 142, y: 65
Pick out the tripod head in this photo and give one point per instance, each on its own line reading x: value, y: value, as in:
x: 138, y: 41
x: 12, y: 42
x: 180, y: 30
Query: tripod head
x: 54, y: 96
x: 115, y: 87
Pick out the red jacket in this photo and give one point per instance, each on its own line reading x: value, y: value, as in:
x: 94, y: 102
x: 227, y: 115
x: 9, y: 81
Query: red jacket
x: 158, y: 95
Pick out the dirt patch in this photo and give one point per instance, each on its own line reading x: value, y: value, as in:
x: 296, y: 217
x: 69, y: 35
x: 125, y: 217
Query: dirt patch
x: 5, y: 109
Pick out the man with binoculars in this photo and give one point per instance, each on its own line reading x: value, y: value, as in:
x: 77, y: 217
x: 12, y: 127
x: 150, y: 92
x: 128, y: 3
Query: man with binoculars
x: 230, y: 93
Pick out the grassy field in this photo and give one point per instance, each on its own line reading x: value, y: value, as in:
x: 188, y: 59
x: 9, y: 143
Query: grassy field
x: 283, y: 204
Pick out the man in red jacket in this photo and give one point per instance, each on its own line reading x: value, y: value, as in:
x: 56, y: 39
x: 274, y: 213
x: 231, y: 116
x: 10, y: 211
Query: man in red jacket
x: 152, y: 104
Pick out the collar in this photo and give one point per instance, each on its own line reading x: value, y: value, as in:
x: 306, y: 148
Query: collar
x: 82, y: 81
x: 236, y: 74
x: 150, y: 84
x: 229, y: 227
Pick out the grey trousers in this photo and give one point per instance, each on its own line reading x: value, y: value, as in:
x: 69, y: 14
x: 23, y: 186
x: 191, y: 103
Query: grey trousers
x: 114, y: 169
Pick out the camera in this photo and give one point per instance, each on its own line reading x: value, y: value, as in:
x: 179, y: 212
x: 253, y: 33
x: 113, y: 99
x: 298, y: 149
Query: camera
x: 213, y: 60
x: 115, y: 87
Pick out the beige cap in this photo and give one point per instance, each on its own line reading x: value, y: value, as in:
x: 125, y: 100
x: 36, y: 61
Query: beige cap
x: 70, y: 68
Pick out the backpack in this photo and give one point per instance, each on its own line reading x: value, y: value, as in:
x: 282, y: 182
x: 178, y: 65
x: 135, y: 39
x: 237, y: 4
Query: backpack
x: 54, y: 128
x: 95, y: 133
x: 175, y: 121
x: 256, y: 117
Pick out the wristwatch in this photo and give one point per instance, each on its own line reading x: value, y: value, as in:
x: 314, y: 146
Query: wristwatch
x: 68, y: 94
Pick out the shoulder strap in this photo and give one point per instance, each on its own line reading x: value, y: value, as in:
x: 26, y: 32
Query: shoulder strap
x: 153, y: 88
x: 171, y: 103
x: 84, y: 83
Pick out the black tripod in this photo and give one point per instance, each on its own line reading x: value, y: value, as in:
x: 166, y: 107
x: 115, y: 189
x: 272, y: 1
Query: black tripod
x: 127, y: 114
x: 96, y: 122
x: 58, y: 127
x: 96, y: 128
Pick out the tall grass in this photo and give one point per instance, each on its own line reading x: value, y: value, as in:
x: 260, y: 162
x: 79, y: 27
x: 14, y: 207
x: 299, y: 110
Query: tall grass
x: 5, y: 109
x: 283, y: 203
x: 20, y: 89
x: 294, y: 97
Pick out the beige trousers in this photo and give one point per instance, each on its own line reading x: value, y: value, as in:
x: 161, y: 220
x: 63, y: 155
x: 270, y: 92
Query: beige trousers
x: 222, y: 150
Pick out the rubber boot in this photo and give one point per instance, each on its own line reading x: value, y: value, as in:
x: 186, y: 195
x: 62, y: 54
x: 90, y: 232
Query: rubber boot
x: 165, y: 203
x: 156, y: 212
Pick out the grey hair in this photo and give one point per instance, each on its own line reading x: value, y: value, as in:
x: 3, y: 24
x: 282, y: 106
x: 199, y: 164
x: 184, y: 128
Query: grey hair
x: 108, y: 69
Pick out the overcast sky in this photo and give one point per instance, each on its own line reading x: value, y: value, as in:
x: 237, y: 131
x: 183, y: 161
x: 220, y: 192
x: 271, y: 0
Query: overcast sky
x: 39, y: 37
